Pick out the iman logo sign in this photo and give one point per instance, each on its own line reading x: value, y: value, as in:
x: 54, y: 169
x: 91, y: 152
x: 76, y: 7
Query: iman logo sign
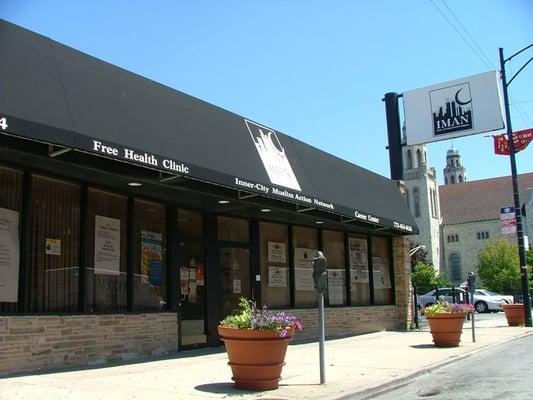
x: 452, y: 109
x: 272, y: 155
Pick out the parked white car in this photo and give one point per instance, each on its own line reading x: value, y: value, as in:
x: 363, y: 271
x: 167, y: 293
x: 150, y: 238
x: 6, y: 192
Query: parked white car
x: 484, y: 300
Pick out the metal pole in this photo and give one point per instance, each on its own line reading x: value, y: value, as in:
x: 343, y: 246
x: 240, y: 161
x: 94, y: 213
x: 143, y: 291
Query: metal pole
x: 415, y: 303
x: 473, y: 312
x: 322, y: 337
x: 518, y: 212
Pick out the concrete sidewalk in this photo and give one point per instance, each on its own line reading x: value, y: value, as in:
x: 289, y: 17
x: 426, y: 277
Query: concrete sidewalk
x: 356, y: 365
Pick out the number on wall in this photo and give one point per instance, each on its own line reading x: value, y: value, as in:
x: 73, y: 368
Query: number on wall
x: 3, y: 123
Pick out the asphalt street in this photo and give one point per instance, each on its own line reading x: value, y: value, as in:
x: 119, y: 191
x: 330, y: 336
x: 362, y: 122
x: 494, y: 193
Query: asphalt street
x: 502, y: 372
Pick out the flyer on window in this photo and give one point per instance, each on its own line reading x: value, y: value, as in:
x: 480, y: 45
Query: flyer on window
x: 336, y: 286
x: 303, y: 279
x: 358, y: 261
x: 106, y: 245
x: 9, y: 255
x: 151, y: 257
x: 303, y: 257
x: 277, y: 277
x: 277, y: 252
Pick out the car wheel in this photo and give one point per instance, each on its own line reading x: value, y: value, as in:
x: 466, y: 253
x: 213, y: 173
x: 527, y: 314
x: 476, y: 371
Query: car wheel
x: 481, y: 307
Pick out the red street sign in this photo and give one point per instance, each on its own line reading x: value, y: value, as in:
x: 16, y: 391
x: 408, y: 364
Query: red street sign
x: 520, y: 138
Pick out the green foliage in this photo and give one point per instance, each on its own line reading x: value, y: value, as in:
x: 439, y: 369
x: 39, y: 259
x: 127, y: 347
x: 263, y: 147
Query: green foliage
x: 424, y: 278
x: 242, y: 319
x: 499, y: 268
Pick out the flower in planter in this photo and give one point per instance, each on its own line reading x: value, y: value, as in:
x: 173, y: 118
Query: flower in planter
x: 445, y: 307
x: 249, y: 316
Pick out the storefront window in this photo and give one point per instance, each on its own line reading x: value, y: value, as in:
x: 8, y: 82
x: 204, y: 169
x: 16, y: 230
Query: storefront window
x: 359, y: 277
x: 54, y: 245
x: 10, y: 206
x: 149, y: 262
x: 233, y: 229
x: 191, y: 256
x: 333, y: 245
x: 190, y: 224
x: 305, y: 245
x: 275, y: 278
x: 381, y: 271
x: 107, y: 239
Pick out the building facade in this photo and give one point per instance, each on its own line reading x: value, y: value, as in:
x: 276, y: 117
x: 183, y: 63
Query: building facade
x: 133, y: 217
x: 422, y: 197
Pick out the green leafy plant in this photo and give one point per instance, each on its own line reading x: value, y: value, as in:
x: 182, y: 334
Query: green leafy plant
x: 499, y: 267
x: 424, y: 278
x: 250, y: 317
x: 445, y: 307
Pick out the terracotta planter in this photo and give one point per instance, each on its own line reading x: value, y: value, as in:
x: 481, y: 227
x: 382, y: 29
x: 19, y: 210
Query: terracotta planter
x: 446, y: 328
x: 514, y: 314
x: 256, y: 357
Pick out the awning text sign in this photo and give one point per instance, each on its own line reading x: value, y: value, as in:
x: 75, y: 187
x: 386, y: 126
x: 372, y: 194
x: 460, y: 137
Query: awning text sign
x: 452, y: 109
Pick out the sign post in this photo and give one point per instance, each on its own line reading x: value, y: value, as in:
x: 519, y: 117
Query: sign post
x: 471, y: 289
x: 321, y: 283
x: 519, y: 231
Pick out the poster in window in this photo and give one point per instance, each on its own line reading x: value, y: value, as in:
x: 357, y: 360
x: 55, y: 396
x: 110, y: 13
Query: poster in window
x: 52, y: 247
x: 106, y: 245
x: 303, y: 279
x: 184, y: 279
x: 9, y: 255
x: 277, y: 277
x: 200, y: 274
x: 192, y: 292
x: 335, y: 286
x: 380, y: 275
x: 151, y: 257
x: 237, y: 286
x: 358, y: 261
x: 303, y: 257
x: 277, y: 252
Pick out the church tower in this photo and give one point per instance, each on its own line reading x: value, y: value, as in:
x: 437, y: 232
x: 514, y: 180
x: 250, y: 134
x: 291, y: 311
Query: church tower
x: 422, y: 196
x: 454, y: 171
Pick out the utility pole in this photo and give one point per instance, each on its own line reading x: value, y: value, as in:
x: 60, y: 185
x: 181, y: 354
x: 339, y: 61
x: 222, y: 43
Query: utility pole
x: 518, y: 211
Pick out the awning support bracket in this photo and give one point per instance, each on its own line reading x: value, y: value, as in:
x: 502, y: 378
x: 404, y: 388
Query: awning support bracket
x: 246, y: 195
x: 168, y: 178
x: 54, y: 153
x: 298, y: 209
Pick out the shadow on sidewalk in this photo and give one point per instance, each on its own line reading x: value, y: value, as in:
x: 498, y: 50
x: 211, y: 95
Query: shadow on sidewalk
x: 229, y: 389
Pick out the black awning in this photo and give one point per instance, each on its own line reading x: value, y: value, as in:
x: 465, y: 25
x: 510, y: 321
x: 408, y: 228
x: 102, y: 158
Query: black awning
x: 55, y: 94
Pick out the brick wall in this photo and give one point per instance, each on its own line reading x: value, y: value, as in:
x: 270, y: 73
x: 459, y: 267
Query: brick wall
x: 30, y: 343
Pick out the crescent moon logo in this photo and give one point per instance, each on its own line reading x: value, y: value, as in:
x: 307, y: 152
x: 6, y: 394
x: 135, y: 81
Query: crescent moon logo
x: 461, y: 103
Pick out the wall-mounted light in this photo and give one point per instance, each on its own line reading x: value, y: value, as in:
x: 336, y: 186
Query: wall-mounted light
x: 266, y: 210
x: 223, y: 202
x: 134, y: 184
x: 319, y: 222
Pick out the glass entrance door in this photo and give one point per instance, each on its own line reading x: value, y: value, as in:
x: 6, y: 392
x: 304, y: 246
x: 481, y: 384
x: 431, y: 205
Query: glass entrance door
x: 235, y: 279
x: 192, y: 301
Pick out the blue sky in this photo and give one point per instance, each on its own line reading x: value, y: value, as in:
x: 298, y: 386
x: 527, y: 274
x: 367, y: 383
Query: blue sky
x: 316, y: 70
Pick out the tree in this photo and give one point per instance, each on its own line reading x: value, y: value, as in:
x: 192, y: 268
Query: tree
x: 424, y: 278
x: 499, y: 268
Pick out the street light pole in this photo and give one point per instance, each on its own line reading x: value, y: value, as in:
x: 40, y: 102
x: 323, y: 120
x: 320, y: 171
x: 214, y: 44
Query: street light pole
x: 518, y: 211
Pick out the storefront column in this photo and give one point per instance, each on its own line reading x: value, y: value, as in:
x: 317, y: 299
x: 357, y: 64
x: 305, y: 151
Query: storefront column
x: 211, y: 279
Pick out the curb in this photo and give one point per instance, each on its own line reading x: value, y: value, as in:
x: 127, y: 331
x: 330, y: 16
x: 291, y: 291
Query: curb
x: 397, y: 383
